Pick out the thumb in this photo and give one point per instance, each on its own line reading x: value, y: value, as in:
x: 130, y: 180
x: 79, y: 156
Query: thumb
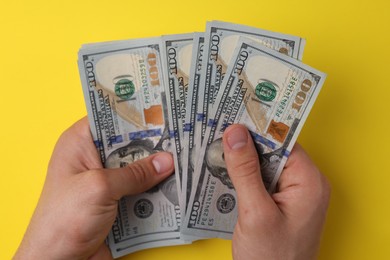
x: 243, y: 166
x: 140, y: 175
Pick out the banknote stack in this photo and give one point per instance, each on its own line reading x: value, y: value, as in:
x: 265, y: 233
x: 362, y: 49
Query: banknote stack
x: 178, y: 93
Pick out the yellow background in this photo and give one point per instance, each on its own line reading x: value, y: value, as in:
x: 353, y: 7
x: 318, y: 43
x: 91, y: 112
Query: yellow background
x: 347, y: 132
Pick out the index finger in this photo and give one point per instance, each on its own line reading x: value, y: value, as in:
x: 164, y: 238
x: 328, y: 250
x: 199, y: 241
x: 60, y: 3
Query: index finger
x: 300, y: 171
x: 75, y: 151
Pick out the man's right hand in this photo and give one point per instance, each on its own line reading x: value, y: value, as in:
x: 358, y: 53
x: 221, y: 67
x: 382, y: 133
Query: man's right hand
x: 285, y: 225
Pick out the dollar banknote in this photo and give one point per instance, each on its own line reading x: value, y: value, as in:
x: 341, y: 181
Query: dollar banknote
x: 177, y: 53
x: 124, y: 91
x: 271, y: 94
x: 190, y: 150
x: 220, y: 40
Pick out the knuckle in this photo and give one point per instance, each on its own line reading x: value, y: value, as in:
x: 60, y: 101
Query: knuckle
x: 98, y: 182
x: 245, y: 166
x: 320, y: 190
x: 139, y: 173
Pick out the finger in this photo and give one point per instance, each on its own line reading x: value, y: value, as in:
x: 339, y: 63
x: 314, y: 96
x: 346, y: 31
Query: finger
x: 243, y: 166
x: 75, y: 151
x: 139, y: 176
x: 302, y: 181
x: 299, y: 170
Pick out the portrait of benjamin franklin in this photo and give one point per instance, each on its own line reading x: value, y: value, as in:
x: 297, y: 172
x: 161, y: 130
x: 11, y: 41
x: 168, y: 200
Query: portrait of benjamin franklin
x: 142, y: 148
x: 215, y: 163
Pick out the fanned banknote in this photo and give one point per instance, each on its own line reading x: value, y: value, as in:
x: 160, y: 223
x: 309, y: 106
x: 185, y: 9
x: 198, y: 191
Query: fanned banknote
x: 190, y: 150
x: 123, y: 88
x: 271, y: 94
x: 177, y: 53
x: 220, y: 40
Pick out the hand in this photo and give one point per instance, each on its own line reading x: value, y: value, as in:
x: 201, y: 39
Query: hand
x: 79, y: 201
x: 285, y: 225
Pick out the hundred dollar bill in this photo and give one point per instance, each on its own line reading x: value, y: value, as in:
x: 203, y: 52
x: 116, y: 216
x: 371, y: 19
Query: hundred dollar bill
x: 177, y: 53
x: 190, y: 149
x: 123, y: 88
x: 271, y: 94
x: 220, y: 40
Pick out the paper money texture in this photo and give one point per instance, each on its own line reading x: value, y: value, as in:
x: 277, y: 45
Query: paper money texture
x: 271, y: 94
x: 124, y: 91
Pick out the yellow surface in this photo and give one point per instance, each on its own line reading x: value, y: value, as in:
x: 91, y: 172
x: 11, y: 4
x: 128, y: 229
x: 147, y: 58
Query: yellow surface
x: 347, y: 132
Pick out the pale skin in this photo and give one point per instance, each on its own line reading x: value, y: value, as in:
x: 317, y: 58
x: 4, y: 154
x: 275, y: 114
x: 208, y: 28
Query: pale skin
x: 79, y: 201
x: 286, y: 225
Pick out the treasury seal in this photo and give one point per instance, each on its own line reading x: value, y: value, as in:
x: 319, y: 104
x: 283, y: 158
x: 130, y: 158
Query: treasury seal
x: 226, y: 203
x: 266, y: 91
x: 143, y: 208
x: 124, y: 86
